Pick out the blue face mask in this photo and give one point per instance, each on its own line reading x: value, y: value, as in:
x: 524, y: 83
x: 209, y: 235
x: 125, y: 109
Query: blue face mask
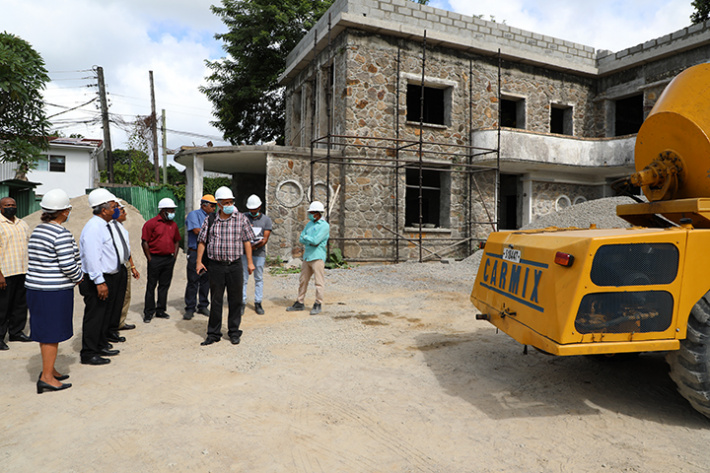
x: 68, y: 215
x: 254, y: 214
x: 228, y: 209
x: 116, y: 213
x: 311, y: 217
x: 171, y: 215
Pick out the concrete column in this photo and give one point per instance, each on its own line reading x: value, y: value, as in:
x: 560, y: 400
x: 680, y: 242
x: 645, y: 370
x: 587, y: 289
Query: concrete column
x: 194, y: 170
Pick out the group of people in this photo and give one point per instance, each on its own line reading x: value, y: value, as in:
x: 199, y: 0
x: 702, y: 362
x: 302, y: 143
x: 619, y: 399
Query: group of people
x: 38, y: 271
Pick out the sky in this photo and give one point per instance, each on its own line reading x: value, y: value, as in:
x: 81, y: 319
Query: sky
x: 173, y: 38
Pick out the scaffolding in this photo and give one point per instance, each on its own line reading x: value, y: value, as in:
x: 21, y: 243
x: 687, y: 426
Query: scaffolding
x: 398, y: 155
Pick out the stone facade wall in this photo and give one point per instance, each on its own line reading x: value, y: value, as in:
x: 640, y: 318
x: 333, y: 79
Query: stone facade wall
x: 551, y: 197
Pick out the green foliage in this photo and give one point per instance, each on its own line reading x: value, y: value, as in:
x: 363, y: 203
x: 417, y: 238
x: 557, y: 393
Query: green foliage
x: 278, y: 270
x: 23, y: 122
x: 132, y: 167
x: 335, y: 260
x: 243, y: 88
x: 211, y: 184
x: 702, y: 11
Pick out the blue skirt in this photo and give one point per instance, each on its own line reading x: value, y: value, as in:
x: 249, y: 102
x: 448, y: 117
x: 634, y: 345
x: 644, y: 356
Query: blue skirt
x: 51, y: 314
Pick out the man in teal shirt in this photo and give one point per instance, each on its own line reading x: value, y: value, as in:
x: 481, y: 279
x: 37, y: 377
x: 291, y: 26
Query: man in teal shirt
x: 315, y: 240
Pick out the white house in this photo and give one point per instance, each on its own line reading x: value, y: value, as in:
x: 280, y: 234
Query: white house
x: 71, y: 164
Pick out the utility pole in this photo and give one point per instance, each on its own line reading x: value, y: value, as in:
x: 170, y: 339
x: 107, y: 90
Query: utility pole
x: 165, y: 149
x: 154, y: 130
x: 104, y: 121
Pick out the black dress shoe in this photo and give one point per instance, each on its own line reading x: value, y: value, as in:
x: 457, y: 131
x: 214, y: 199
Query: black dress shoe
x: 109, y: 352
x: 42, y: 387
x: 58, y: 378
x: 162, y: 316
x: 20, y: 338
x: 188, y: 315
x: 209, y: 341
x: 3, y: 345
x: 203, y: 311
x: 95, y: 360
x: 147, y: 318
x: 115, y: 338
x: 235, y: 340
x: 127, y: 327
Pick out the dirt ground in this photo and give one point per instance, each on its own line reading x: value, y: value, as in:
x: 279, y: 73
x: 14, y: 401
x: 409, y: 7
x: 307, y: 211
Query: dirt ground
x: 387, y: 379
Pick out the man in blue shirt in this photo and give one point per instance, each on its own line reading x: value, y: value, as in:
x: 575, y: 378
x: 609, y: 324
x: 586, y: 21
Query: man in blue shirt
x: 197, y: 283
x: 315, y: 240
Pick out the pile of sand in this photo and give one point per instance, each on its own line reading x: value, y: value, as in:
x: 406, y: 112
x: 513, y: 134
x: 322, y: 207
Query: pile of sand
x: 81, y: 213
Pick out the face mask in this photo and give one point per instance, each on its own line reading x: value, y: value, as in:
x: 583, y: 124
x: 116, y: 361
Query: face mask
x: 67, y: 219
x: 9, y: 212
x: 311, y: 217
x: 228, y: 209
x: 254, y: 214
x: 116, y: 213
x: 171, y: 215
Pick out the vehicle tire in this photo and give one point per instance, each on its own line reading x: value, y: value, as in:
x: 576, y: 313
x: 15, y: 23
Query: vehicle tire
x: 690, y: 365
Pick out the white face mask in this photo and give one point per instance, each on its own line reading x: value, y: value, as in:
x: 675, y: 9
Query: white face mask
x: 171, y: 215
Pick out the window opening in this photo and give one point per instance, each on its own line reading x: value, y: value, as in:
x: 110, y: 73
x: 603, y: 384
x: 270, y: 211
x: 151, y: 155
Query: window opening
x: 512, y: 113
x: 57, y: 163
x: 434, y: 104
x: 436, y: 198
x: 628, y: 115
x: 561, y: 120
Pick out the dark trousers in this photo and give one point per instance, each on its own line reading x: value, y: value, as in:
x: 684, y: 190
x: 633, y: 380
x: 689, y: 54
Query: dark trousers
x: 196, y: 284
x: 97, y: 314
x: 229, y: 277
x: 160, y: 273
x: 115, y: 311
x: 13, y: 306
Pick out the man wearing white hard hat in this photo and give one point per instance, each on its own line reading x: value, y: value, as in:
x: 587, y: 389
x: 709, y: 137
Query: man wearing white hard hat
x: 262, y: 225
x: 225, y: 237
x: 315, y: 241
x: 102, y: 282
x: 160, y: 241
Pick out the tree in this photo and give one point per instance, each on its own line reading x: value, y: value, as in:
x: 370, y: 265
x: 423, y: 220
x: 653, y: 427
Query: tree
x: 23, y: 122
x: 243, y: 88
x: 702, y: 11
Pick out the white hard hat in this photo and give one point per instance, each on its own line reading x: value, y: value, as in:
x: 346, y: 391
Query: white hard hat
x: 223, y: 193
x: 100, y: 196
x: 56, y: 199
x: 166, y: 203
x: 316, y: 206
x: 253, y: 202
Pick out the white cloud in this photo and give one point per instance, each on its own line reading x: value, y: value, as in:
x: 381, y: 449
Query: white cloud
x: 602, y: 24
x: 127, y: 38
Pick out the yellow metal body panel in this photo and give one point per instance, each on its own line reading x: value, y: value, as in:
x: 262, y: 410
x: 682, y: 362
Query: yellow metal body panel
x: 536, y: 300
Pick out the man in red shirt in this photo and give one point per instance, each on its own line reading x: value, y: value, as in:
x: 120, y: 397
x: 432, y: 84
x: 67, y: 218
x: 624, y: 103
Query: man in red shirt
x: 160, y: 242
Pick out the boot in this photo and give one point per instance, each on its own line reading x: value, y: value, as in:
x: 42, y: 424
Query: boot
x: 257, y: 307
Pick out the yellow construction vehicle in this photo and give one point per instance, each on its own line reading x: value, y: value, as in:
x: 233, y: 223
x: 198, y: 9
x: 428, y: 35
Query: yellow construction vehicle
x: 570, y: 291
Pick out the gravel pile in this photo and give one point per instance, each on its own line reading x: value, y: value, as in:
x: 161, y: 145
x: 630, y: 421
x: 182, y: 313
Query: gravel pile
x: 601, y: 212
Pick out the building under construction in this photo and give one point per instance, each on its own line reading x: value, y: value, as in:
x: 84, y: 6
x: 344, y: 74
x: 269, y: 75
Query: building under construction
x: 422, y: 130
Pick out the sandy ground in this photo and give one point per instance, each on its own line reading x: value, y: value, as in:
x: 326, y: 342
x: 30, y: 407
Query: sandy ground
x: 387, y: 379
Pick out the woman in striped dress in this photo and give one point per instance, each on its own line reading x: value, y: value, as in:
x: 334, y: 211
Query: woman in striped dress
x: 54, y: 268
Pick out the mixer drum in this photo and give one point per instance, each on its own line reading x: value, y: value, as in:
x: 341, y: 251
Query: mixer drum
x: 678, y: 125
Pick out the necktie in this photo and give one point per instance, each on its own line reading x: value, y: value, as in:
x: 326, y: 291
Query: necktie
x: 113, y: 240
x: 126, y: 252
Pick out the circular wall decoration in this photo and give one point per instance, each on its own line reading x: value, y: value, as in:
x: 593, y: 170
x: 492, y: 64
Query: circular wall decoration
x: 289, y: 193
x: 579, y: 199
x: 320, y: 192
x: 562, y: 202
